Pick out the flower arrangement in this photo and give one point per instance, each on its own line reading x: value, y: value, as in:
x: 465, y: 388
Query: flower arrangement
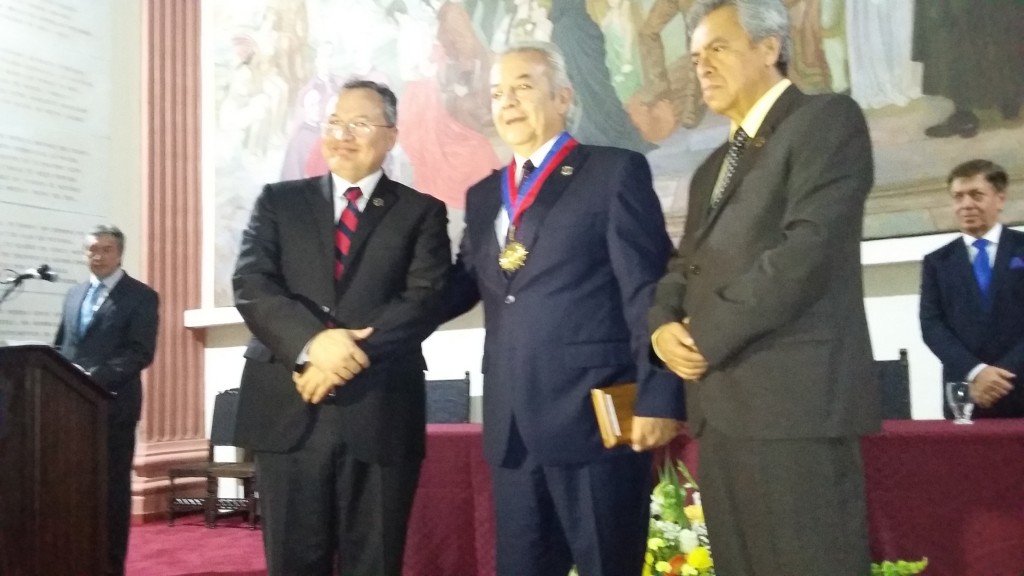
x: 677, y: 541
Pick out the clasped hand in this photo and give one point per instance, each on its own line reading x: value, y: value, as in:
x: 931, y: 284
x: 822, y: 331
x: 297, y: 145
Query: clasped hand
x: 335, y: 358
x: 676, y: 348
x: 990, y: 385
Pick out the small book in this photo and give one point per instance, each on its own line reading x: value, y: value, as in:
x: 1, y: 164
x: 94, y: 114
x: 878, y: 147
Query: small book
x: 613, y: 406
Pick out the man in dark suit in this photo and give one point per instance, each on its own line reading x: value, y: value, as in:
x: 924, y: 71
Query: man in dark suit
x: 972, y: 295
x: 762, y: 311
x: 338, y: 279
x: 566, y: 270
x: 108, y: 328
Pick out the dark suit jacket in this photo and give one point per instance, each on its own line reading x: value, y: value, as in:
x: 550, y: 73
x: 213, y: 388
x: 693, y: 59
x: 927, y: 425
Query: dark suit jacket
x: 118, y: 344
x: 573, y: 317
x: 771, y: 279
x: 286, y: 293
x: 961, y: 330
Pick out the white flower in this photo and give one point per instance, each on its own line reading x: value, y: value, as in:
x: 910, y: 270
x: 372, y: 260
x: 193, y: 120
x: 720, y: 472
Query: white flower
x: 687, y: 540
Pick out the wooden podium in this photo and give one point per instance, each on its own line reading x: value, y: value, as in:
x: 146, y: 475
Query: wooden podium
x: 53, y: 465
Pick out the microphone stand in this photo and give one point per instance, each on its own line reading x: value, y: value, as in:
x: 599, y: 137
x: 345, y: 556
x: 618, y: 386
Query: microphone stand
x: 11, y: 285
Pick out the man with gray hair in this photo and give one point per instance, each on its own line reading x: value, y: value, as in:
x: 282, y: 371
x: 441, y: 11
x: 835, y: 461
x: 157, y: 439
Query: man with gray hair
x: 109, y: 328
x: 762, y: 309
x: 563, y: 247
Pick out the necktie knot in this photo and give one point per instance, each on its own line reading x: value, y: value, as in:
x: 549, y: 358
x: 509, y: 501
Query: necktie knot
x: 981, y: 243
x: 528, y: 169
x: 353, y: 194
x: 740, y: 139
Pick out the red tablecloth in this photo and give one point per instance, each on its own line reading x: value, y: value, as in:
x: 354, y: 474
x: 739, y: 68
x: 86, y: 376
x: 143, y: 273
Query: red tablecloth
x: 952, y: 493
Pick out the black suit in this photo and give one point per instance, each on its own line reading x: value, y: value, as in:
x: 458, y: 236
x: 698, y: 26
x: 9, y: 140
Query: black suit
x: 372, y: 430
x: 771, y: 282
x: 116, y: 346
x: 962, y: 331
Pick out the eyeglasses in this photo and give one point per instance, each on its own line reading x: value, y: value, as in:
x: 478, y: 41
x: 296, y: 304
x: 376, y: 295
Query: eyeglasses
x: 357, y: 128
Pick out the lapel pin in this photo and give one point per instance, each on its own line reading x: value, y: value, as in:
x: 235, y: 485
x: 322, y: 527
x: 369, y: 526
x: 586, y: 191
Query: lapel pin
x: 566, y: 170
x: 378, y: 202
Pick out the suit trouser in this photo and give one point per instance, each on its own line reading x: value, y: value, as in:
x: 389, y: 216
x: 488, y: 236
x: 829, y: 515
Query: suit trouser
x: 594, y: 514
x: 120, y: 453
x: 784, y: 507
x: 319, y: 502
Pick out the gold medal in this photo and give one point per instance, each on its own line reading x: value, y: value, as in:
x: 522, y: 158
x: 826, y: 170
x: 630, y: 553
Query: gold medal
x: 513, y: 257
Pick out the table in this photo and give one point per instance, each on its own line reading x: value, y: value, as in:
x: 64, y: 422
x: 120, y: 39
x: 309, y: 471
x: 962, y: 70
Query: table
x: 952, y: 493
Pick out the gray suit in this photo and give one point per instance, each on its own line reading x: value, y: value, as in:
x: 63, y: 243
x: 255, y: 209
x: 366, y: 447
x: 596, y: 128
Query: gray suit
x: 771, y: 282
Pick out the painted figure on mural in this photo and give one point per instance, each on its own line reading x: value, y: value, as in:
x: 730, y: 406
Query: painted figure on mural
x: 447, y: 156
x: 958, y: 41
x: 623, y: 58
x: 600, y: 118
x: 463, y: 77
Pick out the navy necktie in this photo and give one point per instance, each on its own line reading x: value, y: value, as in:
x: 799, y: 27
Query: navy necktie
x: 345, y: 230
x: 528, y: 168
x: 982, y: 267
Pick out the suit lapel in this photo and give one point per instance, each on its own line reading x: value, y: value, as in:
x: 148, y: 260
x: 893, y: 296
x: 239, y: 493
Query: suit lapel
x: 788, y: 102
x: 106, y: 306
x: 319, y: 199
x: 1005, y: 250
x: 530, y: 226
x: 487, y: 238
x: 382, y: 199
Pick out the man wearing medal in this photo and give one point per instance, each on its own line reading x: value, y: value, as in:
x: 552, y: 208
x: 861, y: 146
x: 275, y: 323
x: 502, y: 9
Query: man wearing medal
x: 563, y: 247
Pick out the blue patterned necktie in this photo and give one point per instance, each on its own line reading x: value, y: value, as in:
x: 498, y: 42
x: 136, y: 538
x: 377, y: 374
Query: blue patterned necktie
x: 982, y: 267
x: 92, y: 297
x: 732, y: 159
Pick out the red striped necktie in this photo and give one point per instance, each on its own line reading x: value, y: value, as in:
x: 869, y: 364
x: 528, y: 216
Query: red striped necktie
x: 346, y: 230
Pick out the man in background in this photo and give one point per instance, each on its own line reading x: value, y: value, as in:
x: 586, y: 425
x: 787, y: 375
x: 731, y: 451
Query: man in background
x: 565, y: 267
x: 338, y: 278
x: 762, y: 308
x: 972, y: 295
x: 108, y: 328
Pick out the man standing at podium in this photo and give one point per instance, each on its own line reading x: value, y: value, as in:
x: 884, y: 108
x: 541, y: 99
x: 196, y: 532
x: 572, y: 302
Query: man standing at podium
x: 109, y: 329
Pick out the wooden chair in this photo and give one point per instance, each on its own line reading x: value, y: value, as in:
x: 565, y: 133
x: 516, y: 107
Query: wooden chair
x: 448, y: 400
x: 222, y: 433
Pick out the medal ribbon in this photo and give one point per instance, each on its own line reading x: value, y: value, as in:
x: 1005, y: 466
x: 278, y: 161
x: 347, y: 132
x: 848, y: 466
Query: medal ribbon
x: 516, y: 203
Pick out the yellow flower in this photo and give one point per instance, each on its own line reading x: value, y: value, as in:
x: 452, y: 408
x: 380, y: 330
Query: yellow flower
x: 694, y: 512
x: 662, y: 566
x: 648, y: 559
x: 647, y: 570
x: 689, y: 571
x: 699, y: 558
x: 655, y: 543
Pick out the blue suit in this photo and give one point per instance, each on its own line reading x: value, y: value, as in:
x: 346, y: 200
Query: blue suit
x: 961, y: 330
x: 573, y: 318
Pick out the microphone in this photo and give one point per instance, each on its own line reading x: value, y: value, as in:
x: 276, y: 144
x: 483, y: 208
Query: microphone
x: 41, y: 273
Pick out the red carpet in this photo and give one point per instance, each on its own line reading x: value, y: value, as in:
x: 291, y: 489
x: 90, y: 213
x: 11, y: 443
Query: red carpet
x: 190, y: 549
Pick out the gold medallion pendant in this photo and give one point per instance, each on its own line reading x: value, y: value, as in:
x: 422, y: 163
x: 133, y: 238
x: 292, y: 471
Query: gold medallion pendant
x: 513, y: 256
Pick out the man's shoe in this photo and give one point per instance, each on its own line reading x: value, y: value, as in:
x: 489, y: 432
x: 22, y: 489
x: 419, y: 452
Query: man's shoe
x: 962, y: 123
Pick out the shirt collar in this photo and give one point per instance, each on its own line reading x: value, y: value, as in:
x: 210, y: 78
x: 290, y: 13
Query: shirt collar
x: 367, y: 184
x: 759, y: 111
x: 992, y: 235
x: 110, y: 281
x: 537, y: 157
